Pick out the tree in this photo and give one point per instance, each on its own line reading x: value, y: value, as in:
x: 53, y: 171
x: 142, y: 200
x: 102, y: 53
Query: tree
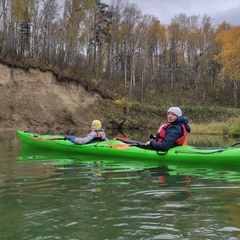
x: 20, y: 25
x: 229, y: 57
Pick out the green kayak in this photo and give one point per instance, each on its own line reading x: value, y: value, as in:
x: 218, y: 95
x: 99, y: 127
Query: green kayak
x: 131, y: 150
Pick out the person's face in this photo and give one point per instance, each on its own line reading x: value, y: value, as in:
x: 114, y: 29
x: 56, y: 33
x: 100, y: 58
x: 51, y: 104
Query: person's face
x: 93, y: 127
x: 171, y: 117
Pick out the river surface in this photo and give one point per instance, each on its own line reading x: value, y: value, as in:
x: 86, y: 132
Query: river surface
x: 66, y: 198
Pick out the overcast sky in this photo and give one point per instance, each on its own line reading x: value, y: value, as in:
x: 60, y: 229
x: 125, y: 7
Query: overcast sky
x: 165, y: 10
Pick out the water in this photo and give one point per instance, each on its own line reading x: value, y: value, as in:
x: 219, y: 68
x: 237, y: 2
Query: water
x: 64, y: 198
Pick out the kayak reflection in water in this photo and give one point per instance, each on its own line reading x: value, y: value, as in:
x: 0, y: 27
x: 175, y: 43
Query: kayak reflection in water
x: 96, y: 134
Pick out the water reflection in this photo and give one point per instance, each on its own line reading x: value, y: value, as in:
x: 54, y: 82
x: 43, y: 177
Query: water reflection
x: 107, y: 167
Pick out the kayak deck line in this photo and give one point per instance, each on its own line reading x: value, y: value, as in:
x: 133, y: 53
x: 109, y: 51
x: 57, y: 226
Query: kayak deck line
x: 198, y: 152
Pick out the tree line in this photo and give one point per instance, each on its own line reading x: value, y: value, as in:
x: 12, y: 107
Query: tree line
x: 120, y: 47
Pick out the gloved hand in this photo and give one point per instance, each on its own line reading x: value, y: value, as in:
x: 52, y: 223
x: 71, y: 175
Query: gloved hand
x: 151, y: 136
x: 70, y: 138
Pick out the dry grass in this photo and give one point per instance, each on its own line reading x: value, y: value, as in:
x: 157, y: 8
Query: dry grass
x: 229, y: 128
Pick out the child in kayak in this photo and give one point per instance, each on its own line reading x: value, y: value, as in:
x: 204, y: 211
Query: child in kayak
x: 96, y: 134
x: 173, y: 133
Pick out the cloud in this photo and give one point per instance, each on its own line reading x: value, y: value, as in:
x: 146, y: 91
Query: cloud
x: 165, y: 10
x: 230, y: 16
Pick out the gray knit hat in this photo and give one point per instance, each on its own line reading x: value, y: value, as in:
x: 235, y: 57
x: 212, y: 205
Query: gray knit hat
x: 176, y: 110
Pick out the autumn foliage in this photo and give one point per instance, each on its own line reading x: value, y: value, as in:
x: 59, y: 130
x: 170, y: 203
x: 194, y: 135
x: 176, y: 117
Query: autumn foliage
x: 130, y: 55
x: 229, y: 56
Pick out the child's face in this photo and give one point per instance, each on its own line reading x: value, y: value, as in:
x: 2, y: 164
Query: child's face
x: 93, y: 127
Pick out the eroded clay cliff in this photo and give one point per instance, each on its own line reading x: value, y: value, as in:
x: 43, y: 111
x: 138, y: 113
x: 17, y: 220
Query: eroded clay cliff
x: 32, y: 99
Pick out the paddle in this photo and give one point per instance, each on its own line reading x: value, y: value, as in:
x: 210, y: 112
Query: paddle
x: 53, y: 138
x: 119, y: 146
x: 127, y: 145
x: 133, y: 143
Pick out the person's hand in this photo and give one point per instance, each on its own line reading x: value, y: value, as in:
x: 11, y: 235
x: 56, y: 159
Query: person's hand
x: 70, y: 138
x: 148, y: 143
x: 151, y: 136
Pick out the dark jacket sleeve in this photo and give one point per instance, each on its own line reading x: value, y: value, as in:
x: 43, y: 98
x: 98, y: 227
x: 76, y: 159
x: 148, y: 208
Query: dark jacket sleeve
x: 173, y: 132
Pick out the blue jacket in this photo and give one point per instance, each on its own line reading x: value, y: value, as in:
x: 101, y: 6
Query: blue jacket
x: 173, y: 132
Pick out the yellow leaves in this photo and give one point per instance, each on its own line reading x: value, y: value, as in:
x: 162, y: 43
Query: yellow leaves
x: 20, y: 8
x: 230, y: 52
x: 123, y: 103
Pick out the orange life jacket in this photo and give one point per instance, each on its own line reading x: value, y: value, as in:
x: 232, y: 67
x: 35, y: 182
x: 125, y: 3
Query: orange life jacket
x: 98, y: 137
x: 180, y: 141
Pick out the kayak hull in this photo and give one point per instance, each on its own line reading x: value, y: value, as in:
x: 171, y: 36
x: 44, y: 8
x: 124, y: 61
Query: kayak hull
x: 120, y: 149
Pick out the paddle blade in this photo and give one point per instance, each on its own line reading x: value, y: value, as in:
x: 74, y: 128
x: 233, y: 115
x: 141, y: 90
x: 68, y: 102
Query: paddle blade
x: 119, y: 146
